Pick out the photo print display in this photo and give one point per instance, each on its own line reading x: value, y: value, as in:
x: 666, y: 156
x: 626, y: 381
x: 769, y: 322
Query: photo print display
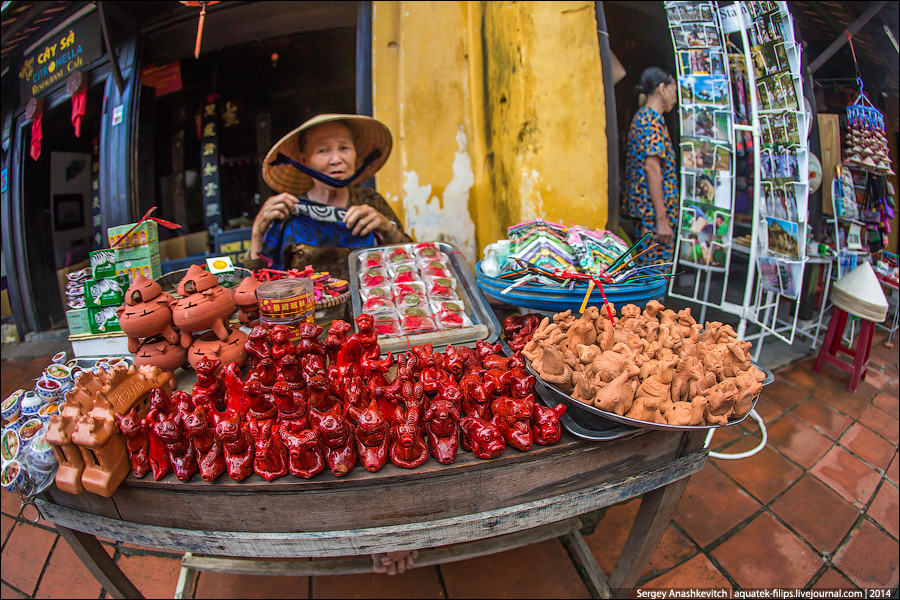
x: 705, y: 154
x: 768, y: 274
x: 759, y: 9
x: 696, y: 35
x: 777, y: 92
x: 780, y: 164
x: 701, y: 62
x: 783, y: 237
x: 770, y: 28
x: 690, y: 12
x: 770, y: 58
x: 706, y: 122
x: 781, y: 202
x: 704, y: 90
x: 706, y: 187
x: 779, y: 128
x: 704, y: 232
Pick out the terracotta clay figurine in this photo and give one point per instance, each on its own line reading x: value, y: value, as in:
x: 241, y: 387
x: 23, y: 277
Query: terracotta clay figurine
x: 270, y: 461
x: 146, y: 312
x: 158, y: 351
x: 408, y: 448
x: 373, y: 436
x: 182, y: 456
x: 482, y: 437
x: 137, y: 442
x: 207, y: 380
x: 441, y: 420
x: 338, y: 444
x: 476, y: 399
x: 209, y: 345
x: 545, y: 423
x: 247, y: 302
x: 237, y: 443
x: 204, y: 304
x: 305, y: 455
x: 256, y: 346
x: 515, y: 420
x: 210, y: 454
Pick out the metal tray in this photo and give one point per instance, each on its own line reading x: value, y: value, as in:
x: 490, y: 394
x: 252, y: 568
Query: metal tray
x: 485, y: 324
x: 592, y: 415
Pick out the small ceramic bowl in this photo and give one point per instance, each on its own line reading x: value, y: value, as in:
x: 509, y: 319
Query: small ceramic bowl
x: 47, y: 389
x: 47, y: 411
x: 11, y: 406
x: 72, y: 363
x: 13, y: 476
x: 61, y: 374
x: 40, y: 454
x: 30, y: 430
x: 31, y: 403
x: 10, y: 445
x: 59, y: 358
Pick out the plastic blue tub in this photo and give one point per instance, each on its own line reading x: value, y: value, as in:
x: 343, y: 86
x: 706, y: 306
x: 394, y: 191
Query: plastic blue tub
x: 558, y: 299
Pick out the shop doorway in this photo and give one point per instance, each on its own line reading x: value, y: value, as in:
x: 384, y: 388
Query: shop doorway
x: 56, y: 204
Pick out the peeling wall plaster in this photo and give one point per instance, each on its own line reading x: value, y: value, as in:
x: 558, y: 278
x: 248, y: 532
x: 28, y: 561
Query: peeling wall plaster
x: 448, y: 218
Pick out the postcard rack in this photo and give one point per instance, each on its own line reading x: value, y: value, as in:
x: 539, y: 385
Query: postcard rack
x: 779, y: 126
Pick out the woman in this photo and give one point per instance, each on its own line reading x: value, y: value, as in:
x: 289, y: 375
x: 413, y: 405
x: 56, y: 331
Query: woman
x: 651, y: 181
x: 320, y: 216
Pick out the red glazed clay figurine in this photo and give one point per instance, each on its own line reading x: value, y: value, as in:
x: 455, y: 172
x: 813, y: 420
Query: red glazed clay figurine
x: 482, y: 437
x: 204, y: 304
x: 291, y: 407
x: 305, y: 455
x: 210, y: 455
x: 281, y: 343
x: 449, y: 390
x: 256, y: 346
x: 270, y: 461
x: 337, y: 337
x: 337, y: 440
x: 146, y: 312
x: 207, y: 380
x: 408, y: 449
x: 441, y: 421
x: 309, y: 340
x: 137, y: 442
x: 373, y: 435
x: 238, y: 446
x: 159, y: 454
x: 413, y: 398
x: 521, y: 383
x: 515, y: 420
x: 228, y: 351
x: 476, y: 397
x: 545, y: 423
x: 182, y: 456
x: 266, y: 374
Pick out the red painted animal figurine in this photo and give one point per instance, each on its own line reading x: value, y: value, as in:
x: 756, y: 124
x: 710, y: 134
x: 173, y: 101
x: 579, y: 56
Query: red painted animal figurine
x: 182, y: 456
x: 256, y: 346
x: 482, y: 437
x: 373, y: 435
x: 207, y: 380
x: 476, y: 397
x: 137, y: 442
x: 270, y: 461
x: 158, y: 453
x: 337, y: 337
x: 238, y: 445
x: 235, y: 400
x: 414, y: 398
x: 441, y: 421
x: 305, y: 455
x: 545, y: 423
x: 337, y: 440
x: 180, y: 404
x: 210, y: 455
x: 291, y: 406
x: 515, y: 420
x: 320, y: 397
x: 309, y: 340
x: 497, y: 381
x: 521, y: 383
x: 449, y: 390
x: 266, y: 373
x: 408, y: 448
x: 281, y: 343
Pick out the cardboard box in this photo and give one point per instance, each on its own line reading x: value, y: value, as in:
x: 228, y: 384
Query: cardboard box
x: 196, y: 243
x: 62, y: 280
x: 104, y: 319
x: 172, y: 249
x: 109, y: 291
x: 103, y: 264
x: 79, y: 321
x: 148, y: 267
x: 144, y: 233
x: 137, y: 252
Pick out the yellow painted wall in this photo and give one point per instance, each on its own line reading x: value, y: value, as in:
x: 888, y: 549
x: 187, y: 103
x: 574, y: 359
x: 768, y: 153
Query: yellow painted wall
x: 497, y: 113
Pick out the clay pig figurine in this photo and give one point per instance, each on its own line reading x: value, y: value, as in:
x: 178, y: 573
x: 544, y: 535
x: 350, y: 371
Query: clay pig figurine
x: 204, y: 304
x: 146, y: 312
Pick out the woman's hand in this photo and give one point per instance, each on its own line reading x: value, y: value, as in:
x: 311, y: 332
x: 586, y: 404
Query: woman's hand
x: 393, y: 562
x: 363, y: 219
x: 664, y: 231
x: 274, y: 208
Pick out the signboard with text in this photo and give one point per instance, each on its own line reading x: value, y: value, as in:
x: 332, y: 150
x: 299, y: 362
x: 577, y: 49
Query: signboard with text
x: 73, y: 48
x: 209, y: 164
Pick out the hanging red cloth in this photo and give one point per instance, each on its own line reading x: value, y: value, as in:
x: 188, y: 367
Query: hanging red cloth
x: 79, y: 107
x: 37, y: 133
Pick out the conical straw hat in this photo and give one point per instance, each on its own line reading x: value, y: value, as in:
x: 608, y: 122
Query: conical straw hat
x: 859, y: 293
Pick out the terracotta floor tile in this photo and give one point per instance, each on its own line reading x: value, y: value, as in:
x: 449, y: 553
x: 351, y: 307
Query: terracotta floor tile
x: 798, y: 441
x: 768, y: 410
x: 697, y: 573
x: 802, y: 507
x: 8, y: 592
x: 848, y: 476
x: 835, y: 375
x: 870, y: 558
x: 876, y: 378
x: 525, y: 574
x: 226, y: 585
x: 417, y: 583
x: 672, y: 549
x: 889, y: 403
x: 869, y: 446
x: 766, y: 554
x: 725, y: 436
x: 893, y: 471
x: 822, y: 417
x: 885, y: 508
x: 67, y: 577
x: 803, y: 379
x: 833, y: 580
x: 154, y: 576
x: 882, y: 423
x: 765, y: 474
x: 24, y: 556
x: 9, y: 503
x: 710, y: 487
x: 844, y: 400
x: 7, y: 525
x: 783, y: 394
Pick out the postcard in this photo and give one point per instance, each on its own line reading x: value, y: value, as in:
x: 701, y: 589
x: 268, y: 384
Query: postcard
x: 704, y: 89
x: 706, y: 122
x: 704, y: 154
x: 783, y: 237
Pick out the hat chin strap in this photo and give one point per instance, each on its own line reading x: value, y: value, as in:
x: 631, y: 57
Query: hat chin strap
x: 281, y: 159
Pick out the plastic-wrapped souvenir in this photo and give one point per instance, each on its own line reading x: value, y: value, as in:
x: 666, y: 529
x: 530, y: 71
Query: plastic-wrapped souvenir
x: 401, y: 289
x: 434, y: 270
x: 387, y: 325
x: 373, y: 259
x: 381, y: 291
x: 374, y: 278
x: 442, y: 288
x: 377, y: 305
x: 398, y: 255
x: 411, y: 324
x: 427, y: 251
x: 410, y: 299
x: 409, y: 276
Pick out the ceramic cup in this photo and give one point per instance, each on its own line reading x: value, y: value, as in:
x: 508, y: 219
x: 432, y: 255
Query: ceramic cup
x: 11, y: 406
x: 40, y: 453
x: 31, y: 403
x: 47, y: 411
x: 10, y: 445
x: 29, y: 430
x: 61, y: 374
x: 59, y: 358
x: 13, y: 476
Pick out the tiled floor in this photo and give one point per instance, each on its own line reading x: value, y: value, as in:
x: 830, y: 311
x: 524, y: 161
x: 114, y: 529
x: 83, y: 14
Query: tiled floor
x: 817, y: 508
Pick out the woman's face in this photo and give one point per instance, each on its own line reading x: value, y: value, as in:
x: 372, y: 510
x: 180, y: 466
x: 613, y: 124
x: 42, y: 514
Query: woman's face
x: 330, y: 150
x: 669, y: 95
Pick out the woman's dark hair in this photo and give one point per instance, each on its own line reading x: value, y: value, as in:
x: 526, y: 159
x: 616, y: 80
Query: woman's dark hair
x: 651, y: 78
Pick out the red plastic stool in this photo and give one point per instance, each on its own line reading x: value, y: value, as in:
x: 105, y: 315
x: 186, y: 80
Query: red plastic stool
x: 832, y: 344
